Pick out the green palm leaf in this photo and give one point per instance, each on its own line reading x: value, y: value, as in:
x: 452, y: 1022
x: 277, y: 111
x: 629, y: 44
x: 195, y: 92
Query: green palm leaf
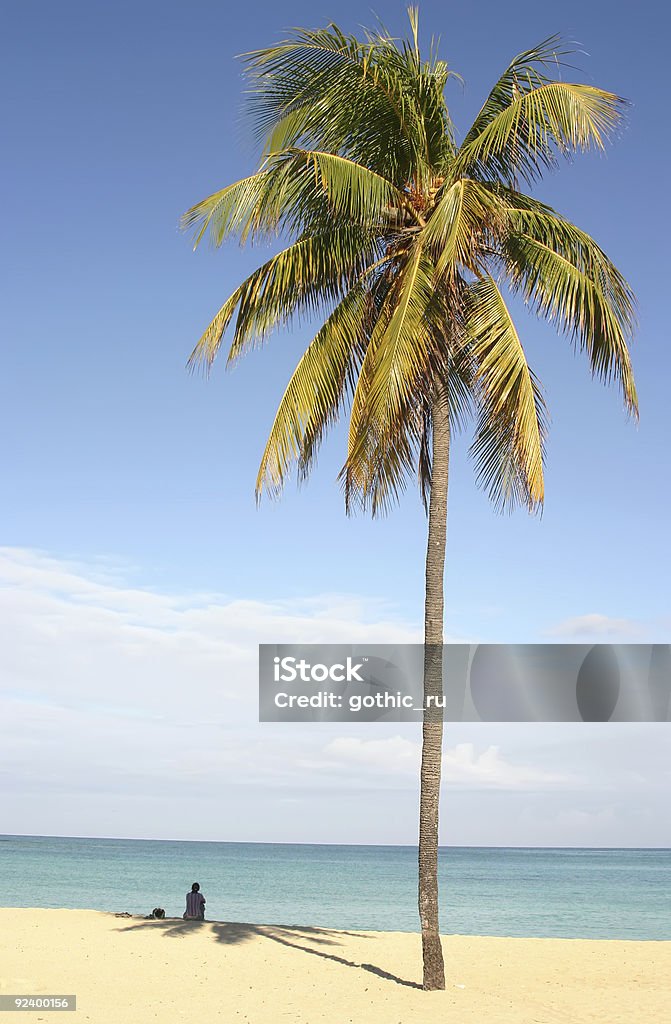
x: 508, y: 447
x: 352, y: 190
x: 228, y: 211
x: 540, y: 122
x: 315, y: 270
x: 465, y: 214
x: 296, y: 191
x: 371, y: 101
x: 396, y: 358
x: 316, y: 390
x: 530, y: 66
x: 565, y: 276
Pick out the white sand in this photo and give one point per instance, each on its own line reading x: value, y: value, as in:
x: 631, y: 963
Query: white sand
x: 131, y: 969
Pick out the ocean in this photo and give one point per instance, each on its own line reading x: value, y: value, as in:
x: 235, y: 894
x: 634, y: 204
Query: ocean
x: 563, y: 893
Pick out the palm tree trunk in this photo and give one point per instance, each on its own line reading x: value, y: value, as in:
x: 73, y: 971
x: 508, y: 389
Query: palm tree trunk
x: 432, y: 731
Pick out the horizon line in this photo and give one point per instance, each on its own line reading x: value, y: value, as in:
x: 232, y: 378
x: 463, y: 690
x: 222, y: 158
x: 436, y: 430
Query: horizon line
x: 263, y: 842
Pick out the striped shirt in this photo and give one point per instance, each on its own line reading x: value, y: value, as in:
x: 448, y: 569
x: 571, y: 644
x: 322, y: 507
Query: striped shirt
x: 195, y: 904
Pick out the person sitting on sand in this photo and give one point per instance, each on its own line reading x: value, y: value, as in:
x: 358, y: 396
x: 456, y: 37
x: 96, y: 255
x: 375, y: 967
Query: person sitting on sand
x: 195, y: 904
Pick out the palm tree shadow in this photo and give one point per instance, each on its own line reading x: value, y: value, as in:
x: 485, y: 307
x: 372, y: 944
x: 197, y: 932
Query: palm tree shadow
x: 234, y: 932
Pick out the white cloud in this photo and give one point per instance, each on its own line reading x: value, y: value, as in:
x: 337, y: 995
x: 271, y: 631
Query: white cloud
x: 463, y: 765
x: 70, y: 636
x: 109, y: 688
x: 394, y: 754
x: 490, y: 770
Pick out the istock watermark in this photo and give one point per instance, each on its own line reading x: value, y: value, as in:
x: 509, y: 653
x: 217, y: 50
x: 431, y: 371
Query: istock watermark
x: 481, y: 683
x: 289, y: 669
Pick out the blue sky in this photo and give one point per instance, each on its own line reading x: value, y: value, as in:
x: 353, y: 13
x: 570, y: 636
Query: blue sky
x: 116, y: 119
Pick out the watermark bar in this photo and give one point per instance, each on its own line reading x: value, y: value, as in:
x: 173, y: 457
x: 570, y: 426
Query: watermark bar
x: 481, y: 683
x: 35, y: 1003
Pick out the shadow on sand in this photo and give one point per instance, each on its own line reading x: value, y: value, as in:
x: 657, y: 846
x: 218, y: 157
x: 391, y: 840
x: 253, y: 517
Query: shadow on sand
x: 232, y: 932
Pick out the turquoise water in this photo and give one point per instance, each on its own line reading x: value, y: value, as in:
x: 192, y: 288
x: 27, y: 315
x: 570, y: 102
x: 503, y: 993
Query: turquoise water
x: 604, y: 894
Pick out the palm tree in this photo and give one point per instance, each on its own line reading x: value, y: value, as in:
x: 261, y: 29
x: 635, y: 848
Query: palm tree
x: 402, y: 241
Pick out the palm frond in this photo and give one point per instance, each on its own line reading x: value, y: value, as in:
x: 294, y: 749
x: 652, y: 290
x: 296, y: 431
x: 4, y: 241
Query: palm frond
x: 311, y: 90
x: 542, y: 120
x: 228, y: 211
x: 508, y: 446
x: 465, y: 214
x: 390, y: 378
x: 567, y: 278
x: 209, y: 343
x: 368, y: 100
x: 529, y: 66
x: 296, y: 191
x: 316, y: 270
x: 352, y: 190
x: 314, y: 395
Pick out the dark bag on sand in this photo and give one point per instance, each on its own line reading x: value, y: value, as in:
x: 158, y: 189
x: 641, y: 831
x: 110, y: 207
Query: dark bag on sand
x: 158, y: 912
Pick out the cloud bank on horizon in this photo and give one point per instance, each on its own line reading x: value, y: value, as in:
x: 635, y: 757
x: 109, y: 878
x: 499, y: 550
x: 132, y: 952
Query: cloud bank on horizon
x: 133, y: 712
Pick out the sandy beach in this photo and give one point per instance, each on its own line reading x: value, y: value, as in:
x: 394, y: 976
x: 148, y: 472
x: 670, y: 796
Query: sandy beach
x: 132, y: 969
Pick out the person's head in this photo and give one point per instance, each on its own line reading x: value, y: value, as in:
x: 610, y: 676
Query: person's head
x: 195, y: 887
